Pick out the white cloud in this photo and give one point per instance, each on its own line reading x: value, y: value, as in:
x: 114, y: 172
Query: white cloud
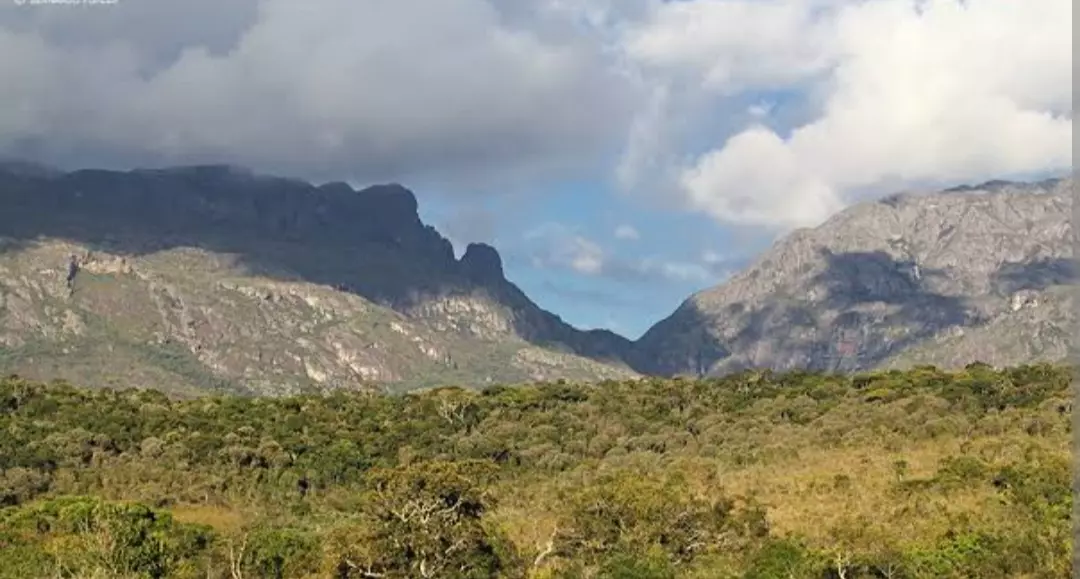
x: 648, y: 142
x: 711, y: 257
x: 554, y: 246
x: 626, y: 231
x: 586, y: 257
x: 731, y: 45
x: 681, y: 271
x: 938, y: 91
x: 755, y: 179
x: 759, y: 110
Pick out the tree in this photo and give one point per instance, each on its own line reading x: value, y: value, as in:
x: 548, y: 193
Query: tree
x: 423, y: 520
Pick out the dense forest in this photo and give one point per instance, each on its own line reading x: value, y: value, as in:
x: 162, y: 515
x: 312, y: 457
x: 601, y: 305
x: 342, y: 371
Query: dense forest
x: 914, y: 474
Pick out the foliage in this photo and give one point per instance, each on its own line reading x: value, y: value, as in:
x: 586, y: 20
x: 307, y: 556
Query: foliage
x: 913, y: 474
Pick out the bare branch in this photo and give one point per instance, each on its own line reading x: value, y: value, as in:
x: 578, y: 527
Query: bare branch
x: 548, y: 549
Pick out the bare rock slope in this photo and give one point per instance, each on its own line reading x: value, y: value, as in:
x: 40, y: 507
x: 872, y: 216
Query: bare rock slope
x: 211, y: 277
x: 945, y: 278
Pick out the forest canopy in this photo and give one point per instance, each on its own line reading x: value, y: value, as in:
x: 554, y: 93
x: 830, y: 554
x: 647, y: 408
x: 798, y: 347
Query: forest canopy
x: 913, y: 474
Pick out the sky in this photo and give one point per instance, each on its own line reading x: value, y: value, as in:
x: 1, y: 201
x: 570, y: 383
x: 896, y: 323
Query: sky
x: 621, y: 155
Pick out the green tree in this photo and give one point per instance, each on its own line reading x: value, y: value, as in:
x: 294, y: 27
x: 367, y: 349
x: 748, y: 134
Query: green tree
x: 423, y: 520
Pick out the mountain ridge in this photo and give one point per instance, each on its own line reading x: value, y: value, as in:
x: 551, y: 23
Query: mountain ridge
x: 219, y: 222
x: 914, y: 277
x: 946, y: 261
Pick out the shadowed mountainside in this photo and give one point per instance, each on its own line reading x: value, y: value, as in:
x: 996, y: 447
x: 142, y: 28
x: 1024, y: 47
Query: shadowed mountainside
x: 226, y: 278
x: 230, y: 223
x: 972, y: 273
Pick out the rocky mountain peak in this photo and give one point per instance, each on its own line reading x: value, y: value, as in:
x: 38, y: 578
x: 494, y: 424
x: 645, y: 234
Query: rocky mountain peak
x: 482, y: 262
x: 877, y: 279
x: 336, y: 188
x: 393, y: 201
x: 188, y: 230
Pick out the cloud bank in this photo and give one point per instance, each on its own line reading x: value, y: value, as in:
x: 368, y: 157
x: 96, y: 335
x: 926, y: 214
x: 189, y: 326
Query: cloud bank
x: 478, y: 93
x: 904, y: 91
x: 331, y: 88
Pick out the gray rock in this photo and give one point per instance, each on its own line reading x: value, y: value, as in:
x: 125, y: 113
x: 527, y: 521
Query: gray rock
x: 882, y: 280
x: 208, y: 221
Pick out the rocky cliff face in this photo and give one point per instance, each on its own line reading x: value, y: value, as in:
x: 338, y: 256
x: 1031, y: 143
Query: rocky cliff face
x: 213, y: 276
x: 973, y: 273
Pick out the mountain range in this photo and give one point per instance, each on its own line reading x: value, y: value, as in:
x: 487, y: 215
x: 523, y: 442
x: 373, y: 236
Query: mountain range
x: 215, y: 278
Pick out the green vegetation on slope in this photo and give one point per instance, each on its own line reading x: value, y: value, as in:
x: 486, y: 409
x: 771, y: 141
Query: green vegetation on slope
x: 911, y: 474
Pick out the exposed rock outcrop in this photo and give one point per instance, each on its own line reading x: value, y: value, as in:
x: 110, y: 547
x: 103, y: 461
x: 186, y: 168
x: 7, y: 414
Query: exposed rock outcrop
x: 964, y: 269
x: 482, y: 263
x: 163, y: 241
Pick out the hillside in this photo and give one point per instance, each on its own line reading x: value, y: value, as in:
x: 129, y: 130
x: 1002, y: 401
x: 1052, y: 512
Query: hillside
x: 949, y: 278
x: 215, y: 278
x: 921, y: 474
